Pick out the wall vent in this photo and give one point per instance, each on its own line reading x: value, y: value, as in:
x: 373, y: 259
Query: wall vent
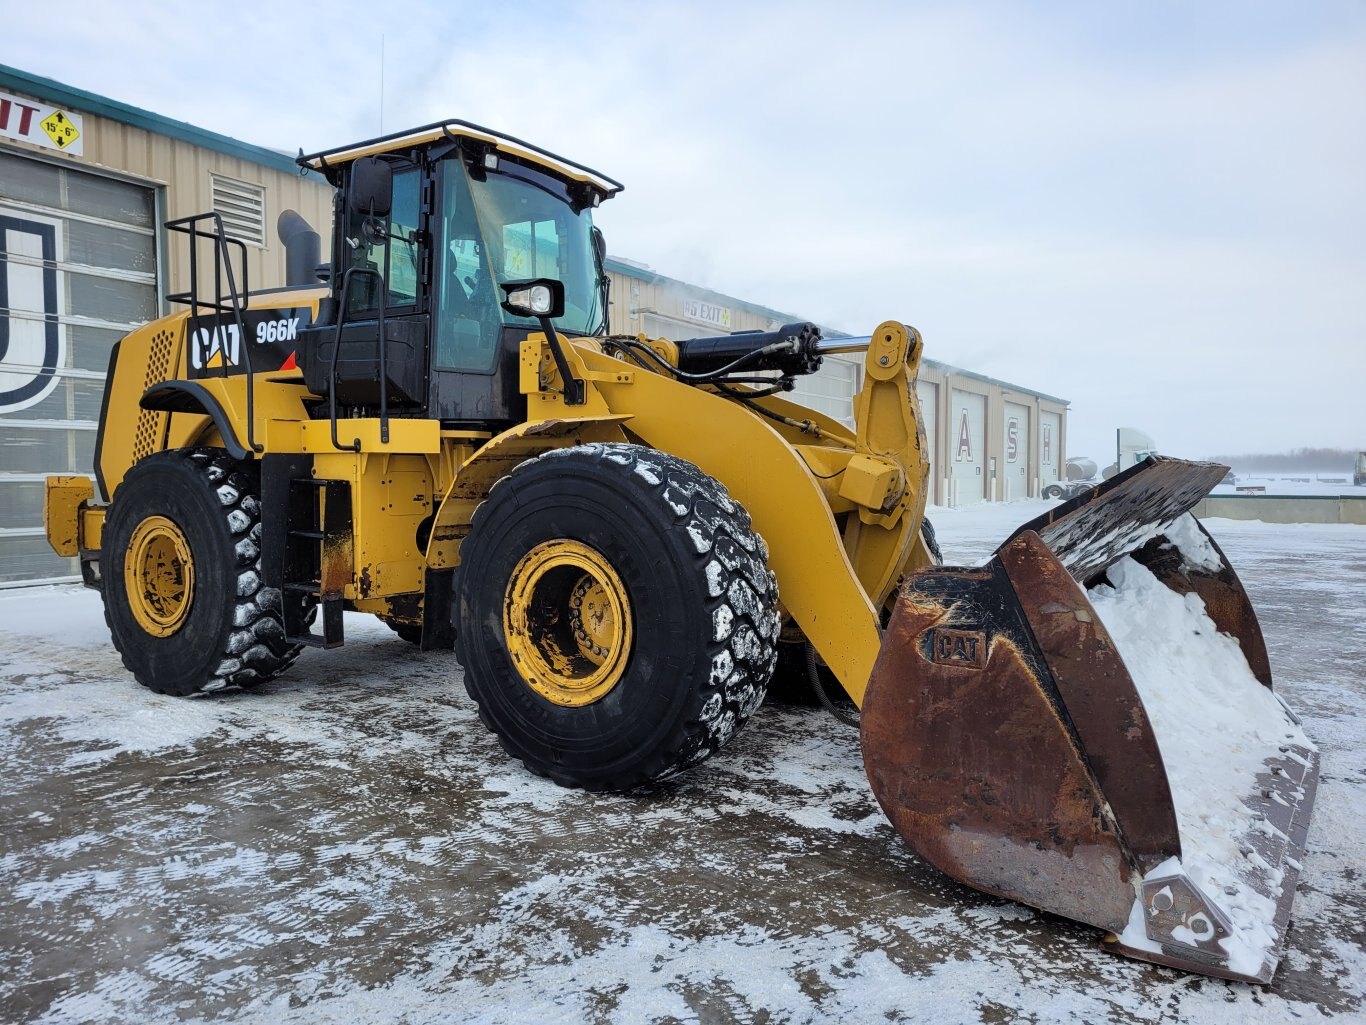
x: 242, y: 207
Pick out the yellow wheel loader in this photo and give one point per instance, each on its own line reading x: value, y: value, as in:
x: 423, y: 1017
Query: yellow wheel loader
x: 617, y: 534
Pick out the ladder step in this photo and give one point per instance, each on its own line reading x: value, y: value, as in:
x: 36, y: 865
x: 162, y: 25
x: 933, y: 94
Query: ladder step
x: 302, y: 587
x: 311, y: 535
x: 331, y: 636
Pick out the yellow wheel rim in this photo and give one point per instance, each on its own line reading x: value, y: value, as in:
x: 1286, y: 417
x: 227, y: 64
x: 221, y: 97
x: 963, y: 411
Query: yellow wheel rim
x: 158, y: 576
x: 567, y: 620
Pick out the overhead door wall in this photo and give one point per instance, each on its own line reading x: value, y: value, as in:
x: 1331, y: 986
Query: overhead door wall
x: 78, y: 260
x: 830, y: 390
x: 928, y: 394
x: 1016, y: 479
x: 967, y: 446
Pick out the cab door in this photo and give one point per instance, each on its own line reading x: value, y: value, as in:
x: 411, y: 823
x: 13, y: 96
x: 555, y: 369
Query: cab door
x: 384, y: 260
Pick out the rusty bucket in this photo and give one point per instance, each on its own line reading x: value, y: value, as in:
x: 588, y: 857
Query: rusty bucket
x: 1085, y: 725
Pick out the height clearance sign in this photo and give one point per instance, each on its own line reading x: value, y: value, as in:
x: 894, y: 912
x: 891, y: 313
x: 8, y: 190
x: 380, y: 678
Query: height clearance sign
x: 39, y: 124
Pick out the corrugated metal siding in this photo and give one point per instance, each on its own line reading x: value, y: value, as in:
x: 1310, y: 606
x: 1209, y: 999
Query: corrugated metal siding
x: 634, y: 299
x: 184, y: 171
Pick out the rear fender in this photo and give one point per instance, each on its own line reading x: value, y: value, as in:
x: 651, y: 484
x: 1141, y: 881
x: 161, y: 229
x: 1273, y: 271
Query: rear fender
x: 192, y: 397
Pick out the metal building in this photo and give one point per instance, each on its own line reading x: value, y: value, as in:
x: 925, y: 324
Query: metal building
x: 86, y: 185
x: 663, y: 307
x: 989, y: 441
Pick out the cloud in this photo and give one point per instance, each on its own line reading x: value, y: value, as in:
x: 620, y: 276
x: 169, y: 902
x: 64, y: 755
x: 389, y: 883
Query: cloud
x: 1154, y: 210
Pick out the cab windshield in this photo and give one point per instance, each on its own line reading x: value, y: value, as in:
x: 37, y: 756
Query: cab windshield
x: 501, y: 225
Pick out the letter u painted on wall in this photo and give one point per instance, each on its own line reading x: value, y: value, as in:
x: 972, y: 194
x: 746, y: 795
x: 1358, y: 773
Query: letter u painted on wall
x: 32, y: 341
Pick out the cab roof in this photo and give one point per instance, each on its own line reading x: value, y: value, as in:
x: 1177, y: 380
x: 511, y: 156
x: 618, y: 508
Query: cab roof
x: 454, y: 130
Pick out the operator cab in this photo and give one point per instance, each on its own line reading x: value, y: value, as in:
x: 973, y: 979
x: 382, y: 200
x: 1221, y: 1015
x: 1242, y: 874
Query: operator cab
x: 428, y: 225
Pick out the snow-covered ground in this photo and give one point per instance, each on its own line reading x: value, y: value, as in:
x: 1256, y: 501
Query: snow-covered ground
x: 1294, y: 485
x: 349, y: 845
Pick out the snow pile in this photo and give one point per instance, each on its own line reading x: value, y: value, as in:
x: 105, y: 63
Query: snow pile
x: 1196, y: 548
x: 1217, y: 727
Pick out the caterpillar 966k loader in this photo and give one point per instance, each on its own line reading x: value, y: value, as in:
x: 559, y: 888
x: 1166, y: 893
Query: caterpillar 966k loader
x: 617, y: 534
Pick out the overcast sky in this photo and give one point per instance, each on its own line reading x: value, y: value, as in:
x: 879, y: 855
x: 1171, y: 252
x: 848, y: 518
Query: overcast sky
x: 1155, y: 210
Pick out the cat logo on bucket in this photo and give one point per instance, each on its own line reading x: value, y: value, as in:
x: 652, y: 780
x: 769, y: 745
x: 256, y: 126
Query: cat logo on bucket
x: 963, y: 648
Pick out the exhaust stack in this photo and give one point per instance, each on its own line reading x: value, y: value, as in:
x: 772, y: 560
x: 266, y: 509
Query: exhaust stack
x: 303, y: 249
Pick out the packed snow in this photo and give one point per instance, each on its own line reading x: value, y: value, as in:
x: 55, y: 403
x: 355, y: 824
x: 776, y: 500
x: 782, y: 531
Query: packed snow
x: 1218, y: 728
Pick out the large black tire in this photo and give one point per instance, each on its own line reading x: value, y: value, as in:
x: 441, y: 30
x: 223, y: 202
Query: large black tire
x: 702, y: 602
x: 232, y: 634
x: 931, y: 540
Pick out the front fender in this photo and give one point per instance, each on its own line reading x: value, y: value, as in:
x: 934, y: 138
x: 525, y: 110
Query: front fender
x: 497, y: 459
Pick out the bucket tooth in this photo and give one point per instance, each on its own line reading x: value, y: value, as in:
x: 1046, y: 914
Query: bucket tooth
x: 1177, y: 914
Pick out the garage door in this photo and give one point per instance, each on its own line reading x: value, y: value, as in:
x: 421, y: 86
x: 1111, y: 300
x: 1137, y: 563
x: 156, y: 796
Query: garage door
x: 1050, y: 434
x: 1015, y: 481
x: 830, y: 390
x: 968, y: 447
x: 77, y: 272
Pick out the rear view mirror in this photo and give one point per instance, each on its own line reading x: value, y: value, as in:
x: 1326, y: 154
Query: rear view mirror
x: 372, y: 187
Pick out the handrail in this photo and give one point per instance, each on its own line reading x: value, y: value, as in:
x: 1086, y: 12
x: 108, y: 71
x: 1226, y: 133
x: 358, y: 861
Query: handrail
x: 345, y: 293
x: 236, y: 304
